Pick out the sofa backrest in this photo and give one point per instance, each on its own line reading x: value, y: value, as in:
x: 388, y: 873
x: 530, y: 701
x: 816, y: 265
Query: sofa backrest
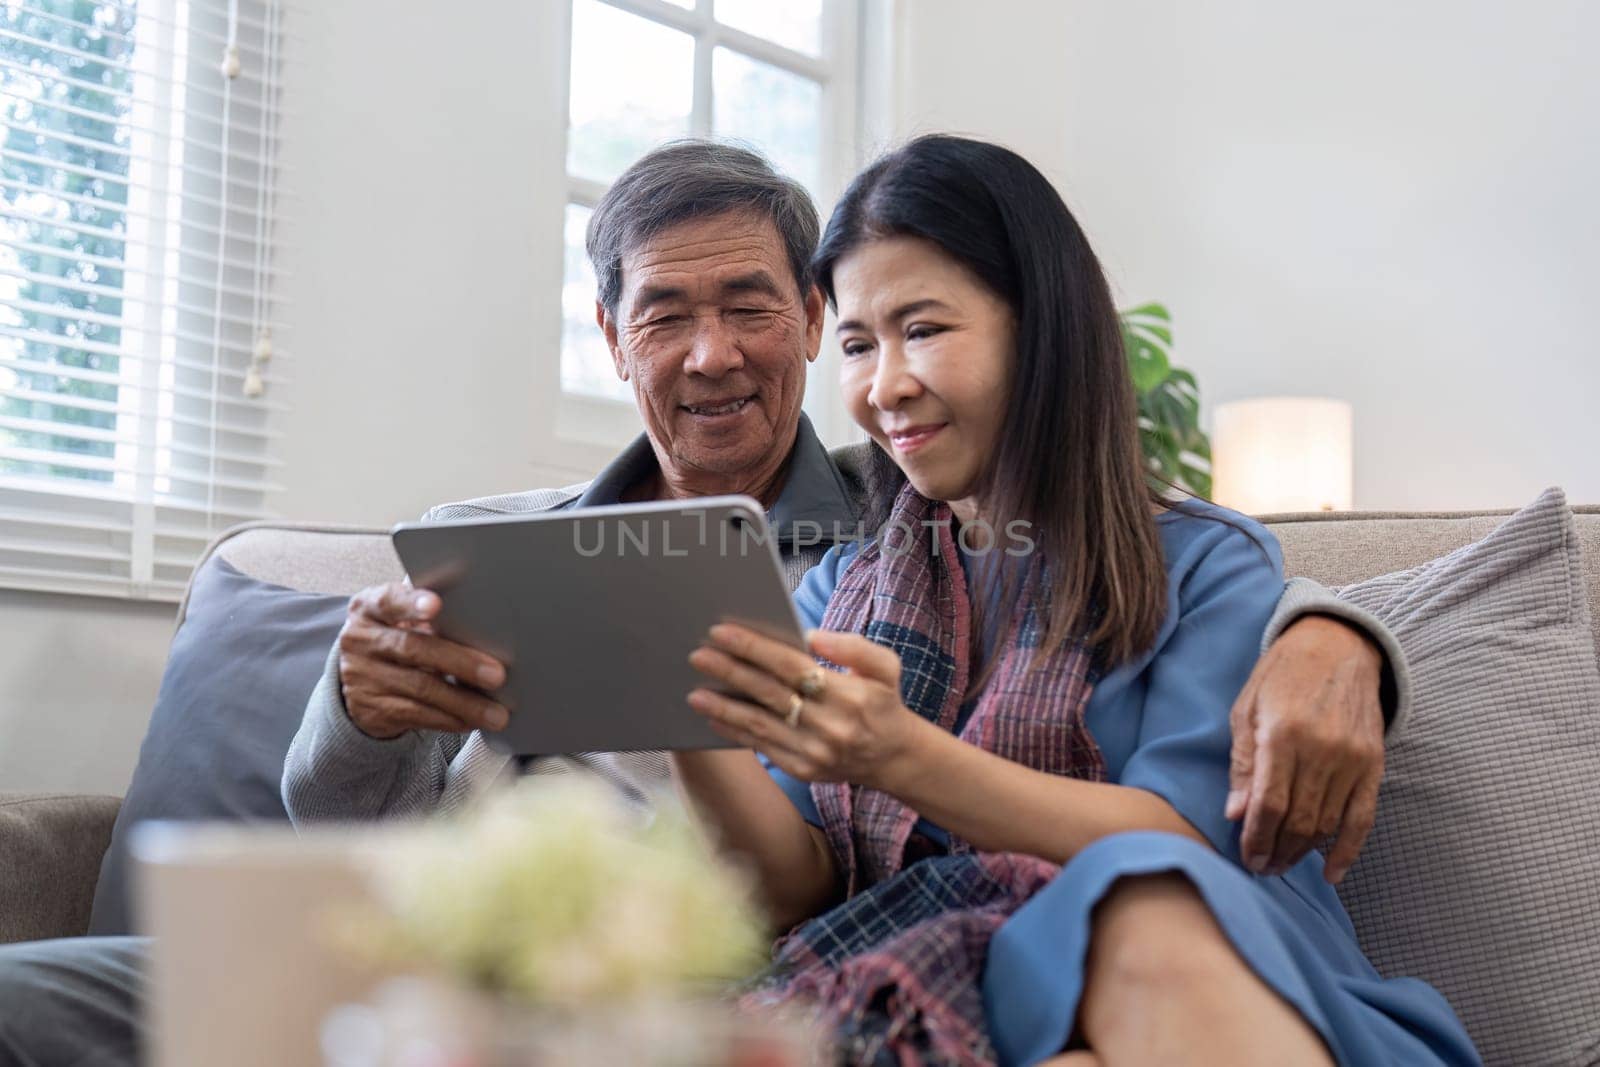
x: 1335, y: 548
x: 309, y: 557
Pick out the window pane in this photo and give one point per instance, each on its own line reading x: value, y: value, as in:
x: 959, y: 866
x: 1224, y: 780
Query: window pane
x: 778, y: 112
x: 794, y: 24
x: 64, y: 159
x: 586, y: 365
x: 632, y: 87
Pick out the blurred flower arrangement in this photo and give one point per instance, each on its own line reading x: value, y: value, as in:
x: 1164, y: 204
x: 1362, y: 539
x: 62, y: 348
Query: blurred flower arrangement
x: 553, y: 924
x: 556, y: 892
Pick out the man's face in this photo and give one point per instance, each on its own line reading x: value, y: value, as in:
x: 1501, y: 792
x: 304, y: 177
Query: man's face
x: 715, y: 337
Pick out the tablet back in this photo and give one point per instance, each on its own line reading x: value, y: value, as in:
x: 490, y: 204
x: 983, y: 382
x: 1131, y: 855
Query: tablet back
x: 594, y: 612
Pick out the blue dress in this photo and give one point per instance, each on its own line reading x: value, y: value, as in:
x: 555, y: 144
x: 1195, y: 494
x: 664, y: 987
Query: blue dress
x: 1161, y: 722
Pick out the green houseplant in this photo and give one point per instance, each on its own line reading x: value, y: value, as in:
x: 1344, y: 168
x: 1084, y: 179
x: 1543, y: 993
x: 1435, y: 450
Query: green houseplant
x: 1176, y: 450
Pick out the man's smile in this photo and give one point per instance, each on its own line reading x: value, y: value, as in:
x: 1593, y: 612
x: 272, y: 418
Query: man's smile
x: 720, y: 408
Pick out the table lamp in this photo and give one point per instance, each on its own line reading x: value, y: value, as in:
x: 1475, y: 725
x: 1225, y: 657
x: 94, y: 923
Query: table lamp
x: 1283, y: 453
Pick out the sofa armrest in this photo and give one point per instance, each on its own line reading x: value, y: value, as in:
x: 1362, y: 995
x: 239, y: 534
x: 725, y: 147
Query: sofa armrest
x: 51, y: 844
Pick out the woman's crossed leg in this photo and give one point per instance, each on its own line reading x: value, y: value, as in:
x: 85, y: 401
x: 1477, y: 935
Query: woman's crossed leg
x: 1164, y: 985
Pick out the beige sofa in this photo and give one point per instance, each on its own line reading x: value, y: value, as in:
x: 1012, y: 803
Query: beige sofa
x: 51, y: 845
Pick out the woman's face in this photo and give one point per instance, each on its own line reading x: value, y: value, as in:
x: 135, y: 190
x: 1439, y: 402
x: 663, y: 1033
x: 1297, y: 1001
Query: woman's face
x: 928, y: 351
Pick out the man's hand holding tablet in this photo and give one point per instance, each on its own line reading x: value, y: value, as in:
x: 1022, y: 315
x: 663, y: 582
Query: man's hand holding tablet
x: 397, y: 675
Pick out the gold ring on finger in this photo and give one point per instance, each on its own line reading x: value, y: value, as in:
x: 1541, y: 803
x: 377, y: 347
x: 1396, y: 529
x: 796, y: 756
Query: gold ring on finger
x: 796, y: 702
x: 812, y: 684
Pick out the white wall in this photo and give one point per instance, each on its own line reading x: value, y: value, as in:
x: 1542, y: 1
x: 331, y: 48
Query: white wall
x: 1394, y: 204
x: 425, y: 246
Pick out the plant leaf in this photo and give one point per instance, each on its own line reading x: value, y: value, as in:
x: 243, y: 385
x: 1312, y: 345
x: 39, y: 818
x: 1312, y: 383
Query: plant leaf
x: 1147, y: 362
x: 1176, y: 450
x: 1152, y: 311
x: 1196, y: 480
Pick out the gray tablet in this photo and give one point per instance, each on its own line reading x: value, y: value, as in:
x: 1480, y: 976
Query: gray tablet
x: 594, y: 611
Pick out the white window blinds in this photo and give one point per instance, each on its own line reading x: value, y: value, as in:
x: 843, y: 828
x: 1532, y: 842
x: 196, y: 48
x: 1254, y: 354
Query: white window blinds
x: 139, y: 370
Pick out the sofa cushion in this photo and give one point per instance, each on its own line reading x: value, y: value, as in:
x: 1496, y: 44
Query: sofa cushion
x: 242, y: 666
x: 50, y: 847
x: 1482, y: 872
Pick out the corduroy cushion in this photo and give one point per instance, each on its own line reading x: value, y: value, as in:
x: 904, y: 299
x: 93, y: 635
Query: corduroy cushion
x: 1482, y: 873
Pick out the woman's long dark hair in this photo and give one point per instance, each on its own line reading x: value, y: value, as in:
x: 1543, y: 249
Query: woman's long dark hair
x: 1068, y: 460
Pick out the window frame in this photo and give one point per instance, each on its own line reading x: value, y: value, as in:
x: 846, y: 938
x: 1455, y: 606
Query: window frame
x: 588, y: 429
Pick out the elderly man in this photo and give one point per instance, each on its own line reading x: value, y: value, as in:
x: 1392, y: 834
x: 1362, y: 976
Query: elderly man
x: 702, y: 254
x: 705, y: 298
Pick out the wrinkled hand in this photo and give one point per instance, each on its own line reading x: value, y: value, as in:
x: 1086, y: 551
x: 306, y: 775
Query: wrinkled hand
x: 397, y: 675
x: 1308, y: 747
x: 857, y: 730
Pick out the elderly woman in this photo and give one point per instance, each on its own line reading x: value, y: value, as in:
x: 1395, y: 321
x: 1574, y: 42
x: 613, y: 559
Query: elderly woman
x: 998, y: 821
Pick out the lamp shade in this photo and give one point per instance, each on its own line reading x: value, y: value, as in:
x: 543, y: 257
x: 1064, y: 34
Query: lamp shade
x: 1283, y: 453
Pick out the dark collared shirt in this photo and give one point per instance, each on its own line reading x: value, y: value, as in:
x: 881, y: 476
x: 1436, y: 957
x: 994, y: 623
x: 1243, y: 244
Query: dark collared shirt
x: 815, y: 506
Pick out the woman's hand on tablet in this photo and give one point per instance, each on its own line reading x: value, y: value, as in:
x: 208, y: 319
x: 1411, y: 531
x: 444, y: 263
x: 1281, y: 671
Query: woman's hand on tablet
x: 854, y: 728
x: 397, y: 675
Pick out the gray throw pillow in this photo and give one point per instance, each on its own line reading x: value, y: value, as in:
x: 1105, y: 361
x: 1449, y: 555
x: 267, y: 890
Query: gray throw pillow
x: 1482, y: 875
x: 238, y: 675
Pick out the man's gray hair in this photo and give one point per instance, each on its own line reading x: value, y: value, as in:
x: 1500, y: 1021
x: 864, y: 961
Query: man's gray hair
x: 691, y: 179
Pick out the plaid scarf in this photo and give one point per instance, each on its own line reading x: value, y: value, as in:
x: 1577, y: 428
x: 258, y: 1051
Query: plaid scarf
x: 897, y: 966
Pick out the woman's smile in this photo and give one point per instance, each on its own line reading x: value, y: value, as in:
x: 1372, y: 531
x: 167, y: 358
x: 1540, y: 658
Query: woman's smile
x: 912, y: 438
